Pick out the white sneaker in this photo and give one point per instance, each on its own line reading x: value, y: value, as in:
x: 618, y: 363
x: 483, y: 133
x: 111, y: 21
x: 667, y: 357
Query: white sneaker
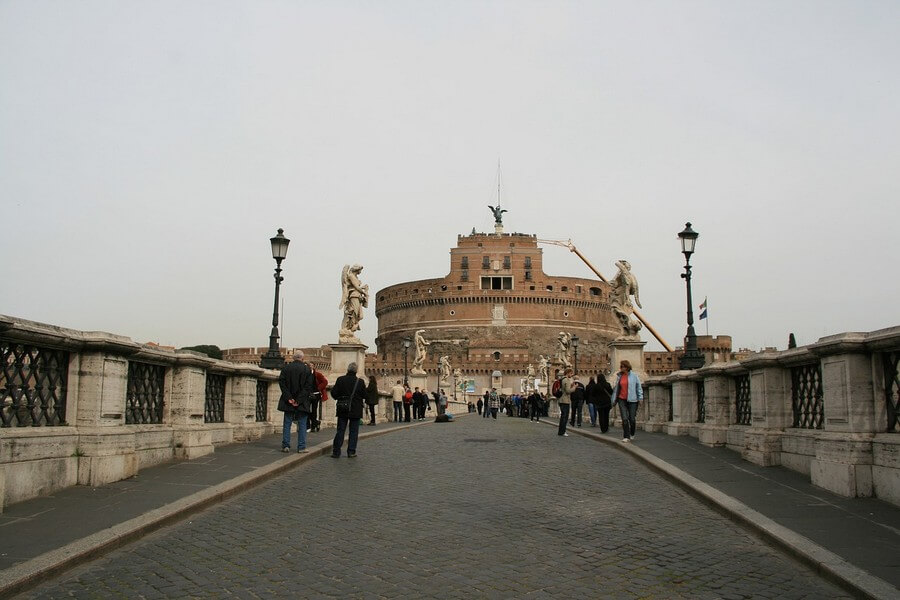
x: 625, y: 440
x: 565, y: 435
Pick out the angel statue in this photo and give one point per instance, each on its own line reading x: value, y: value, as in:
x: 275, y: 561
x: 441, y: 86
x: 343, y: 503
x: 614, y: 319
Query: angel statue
x: 544, y: 369
x: 623, y: 286
x: 445, y: 369
x: 354, y: 297
x: 529, y: 378
x: 562, y: 349
x: 498, y: 214
x: 418, y: 367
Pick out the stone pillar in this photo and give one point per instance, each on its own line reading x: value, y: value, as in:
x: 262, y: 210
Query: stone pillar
x: 344, y: 354
x: 106, y: 450
x: 770, y: 405
x: 717, y: 393
x: 843, y: 459
x: 684, y: 403
x: 186, y: 406
x: 240, y: 404
x: 657, y: 402
x: 630, y: 350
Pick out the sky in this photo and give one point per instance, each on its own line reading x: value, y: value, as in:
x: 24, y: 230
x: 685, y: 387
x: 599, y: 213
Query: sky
x: 149, y: 150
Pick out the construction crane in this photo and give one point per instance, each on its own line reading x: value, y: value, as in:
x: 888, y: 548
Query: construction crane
x: 568, y: 244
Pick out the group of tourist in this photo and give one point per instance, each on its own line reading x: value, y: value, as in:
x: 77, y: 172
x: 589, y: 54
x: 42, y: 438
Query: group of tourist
x: 412, y: 404
x: 599, y: 395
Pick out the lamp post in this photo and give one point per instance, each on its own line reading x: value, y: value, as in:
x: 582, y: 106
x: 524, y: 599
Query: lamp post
x: 406, y: 345
x: 272, y: 359
x: 692, y: 358
x: 575, y: 346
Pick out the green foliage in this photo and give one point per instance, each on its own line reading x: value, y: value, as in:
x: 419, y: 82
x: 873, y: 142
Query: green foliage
x: 209, y: 350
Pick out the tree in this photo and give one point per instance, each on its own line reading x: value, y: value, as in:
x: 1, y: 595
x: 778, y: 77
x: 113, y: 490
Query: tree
x: 209, y: 350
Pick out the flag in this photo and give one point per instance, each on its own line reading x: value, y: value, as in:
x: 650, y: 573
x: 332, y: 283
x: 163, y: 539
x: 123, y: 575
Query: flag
x: 702, y: 310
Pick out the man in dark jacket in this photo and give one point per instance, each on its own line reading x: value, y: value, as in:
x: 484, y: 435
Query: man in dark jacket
x: 350, y: 387
x: 604, y: 402
x: 297, y: 386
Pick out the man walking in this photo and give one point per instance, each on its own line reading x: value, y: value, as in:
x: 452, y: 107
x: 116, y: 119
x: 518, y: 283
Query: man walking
x: 297, y: 386
x: 397, y: 397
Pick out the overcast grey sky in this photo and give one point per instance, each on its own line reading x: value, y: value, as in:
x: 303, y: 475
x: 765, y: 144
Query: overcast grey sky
x: 148, y: 150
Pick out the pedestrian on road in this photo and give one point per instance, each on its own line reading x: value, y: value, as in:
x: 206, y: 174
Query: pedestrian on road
x: 494, y: 401
x: 418, y: 405
x: 577, y: 402
x: 566, y: 386
x: 350, y: 387
x: 537, y: 406
x: 372, y: 398
x: 590, y: 397
x: 487, y: 404
x: 315, y: 422
x: 442, y: 403
x: 628, y: 393
x: 397, y: 397
x: 407, y: 403
x: 479, y: 405
x: 604, y: 402
x: 297, y: 385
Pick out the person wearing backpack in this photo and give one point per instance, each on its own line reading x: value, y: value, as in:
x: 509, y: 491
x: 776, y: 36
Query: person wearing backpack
x: 407, y: 404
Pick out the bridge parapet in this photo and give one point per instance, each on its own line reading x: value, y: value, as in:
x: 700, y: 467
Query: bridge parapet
x: 830, y: 410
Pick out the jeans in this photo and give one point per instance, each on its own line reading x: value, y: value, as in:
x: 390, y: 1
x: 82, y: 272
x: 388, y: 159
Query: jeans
x: 313, y: 421
x: 563, y: 417
x: 628, y: 410
x: 406, y: 409
x: 301, y: 430
x: 536, y: 410
x: 592, y: 409
x: 398, y: 412
x: 372, y: 413
x: 577, y: 412
x: 494, y: 412
x: 603, y: 417
x: 339, y: 436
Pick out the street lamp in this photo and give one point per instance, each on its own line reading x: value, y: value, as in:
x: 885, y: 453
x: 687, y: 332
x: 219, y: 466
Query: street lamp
x: 273, y: 359
x: 406, y: 344
x: 692, y: 358
x: 575, y: 346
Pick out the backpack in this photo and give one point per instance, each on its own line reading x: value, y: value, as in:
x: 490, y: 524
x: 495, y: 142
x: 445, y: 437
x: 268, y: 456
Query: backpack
x: 407, y: 397
x: 557, y: 389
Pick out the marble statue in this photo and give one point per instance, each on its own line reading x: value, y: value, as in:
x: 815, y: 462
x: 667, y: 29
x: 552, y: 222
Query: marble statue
x: 562, y: 350
x: 354, y: 297
x: 623, y: 286
x: 418, y: 367
x: 529, y: 378
x: 544, y: 369
x: 445, y: 369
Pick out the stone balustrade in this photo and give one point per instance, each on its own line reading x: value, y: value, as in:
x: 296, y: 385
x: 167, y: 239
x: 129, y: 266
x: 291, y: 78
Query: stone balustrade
x: 88, y: 408
x: 829, y: 410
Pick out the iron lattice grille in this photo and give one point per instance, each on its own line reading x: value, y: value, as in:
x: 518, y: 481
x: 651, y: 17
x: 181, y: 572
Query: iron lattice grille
x: 262, y: 400
x: 806, y: 397
x: 32, y: 385
x: 214, y: 407
x: 892, y: 390
x: 701, y: 402
x: 742, y: 399
x: 671, y: 405
x: 144, y: 398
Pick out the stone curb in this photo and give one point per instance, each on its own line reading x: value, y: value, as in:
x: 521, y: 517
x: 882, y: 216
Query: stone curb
x: 826, y: 563
x: 32, y: 572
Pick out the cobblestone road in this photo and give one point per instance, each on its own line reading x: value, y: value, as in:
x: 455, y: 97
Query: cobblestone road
x: 475, y: 508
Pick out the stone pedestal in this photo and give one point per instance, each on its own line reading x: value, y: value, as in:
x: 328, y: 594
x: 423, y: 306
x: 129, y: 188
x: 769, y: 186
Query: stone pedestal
x: 344, y: 354
x: 186, y: 406
x: 630, y: 350
x: 657, y: 408
x: 418, y: 381
x: 684, y: 403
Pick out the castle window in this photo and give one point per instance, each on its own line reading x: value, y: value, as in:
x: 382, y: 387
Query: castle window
x: 507, y: 262
x: 496, y: 283
x: 443, y: 288
x: 496, y: 356
x: 465, y: 275
x: 452, y: 312
x: 531, y: 287
x: 549, y: 288
x: 465, y: 262
x: 527, y: 262
x: 578, y: 289
x: 565, y: 288
x: 528, y: 275
x: 595, y: 291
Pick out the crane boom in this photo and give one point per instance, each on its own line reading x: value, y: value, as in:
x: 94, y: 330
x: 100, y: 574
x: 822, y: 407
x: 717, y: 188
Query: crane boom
x: 568, y: 244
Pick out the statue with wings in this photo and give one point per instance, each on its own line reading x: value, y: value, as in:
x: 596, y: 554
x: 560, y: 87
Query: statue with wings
x: 498, y: 213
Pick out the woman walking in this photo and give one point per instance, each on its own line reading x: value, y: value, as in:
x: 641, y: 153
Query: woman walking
x: 627, y: 393
x: 372, y: 398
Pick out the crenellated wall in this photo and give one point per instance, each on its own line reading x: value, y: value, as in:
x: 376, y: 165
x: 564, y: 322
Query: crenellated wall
x: 829, y: 410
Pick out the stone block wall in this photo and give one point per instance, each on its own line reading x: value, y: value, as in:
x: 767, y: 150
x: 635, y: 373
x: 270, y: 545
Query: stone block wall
x: 828, y: 410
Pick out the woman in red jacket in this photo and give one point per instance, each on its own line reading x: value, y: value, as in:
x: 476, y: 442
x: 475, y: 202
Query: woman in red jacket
x: 315, y: 421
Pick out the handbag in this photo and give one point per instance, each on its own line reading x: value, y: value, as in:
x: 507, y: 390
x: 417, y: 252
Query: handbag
x: 342, y: 408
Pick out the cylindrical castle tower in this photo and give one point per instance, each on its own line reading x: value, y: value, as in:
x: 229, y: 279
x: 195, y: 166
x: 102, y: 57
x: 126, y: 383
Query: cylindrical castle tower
x: 496, y: 311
